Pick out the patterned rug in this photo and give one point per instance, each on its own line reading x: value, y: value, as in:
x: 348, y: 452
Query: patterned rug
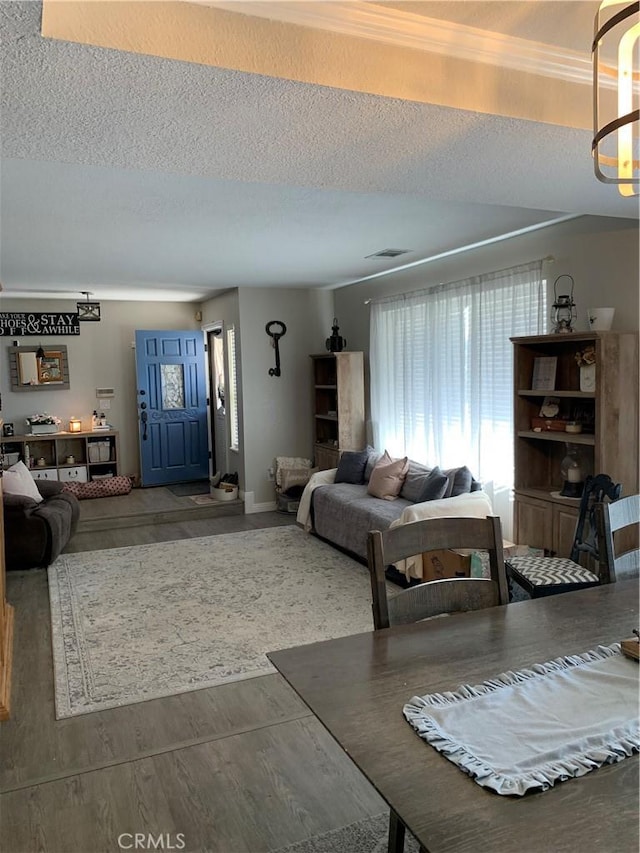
x: 136, y: 623
x: 364, y: 836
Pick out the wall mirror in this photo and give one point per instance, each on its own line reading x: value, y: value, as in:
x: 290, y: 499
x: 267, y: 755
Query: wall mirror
x: 30, y: 373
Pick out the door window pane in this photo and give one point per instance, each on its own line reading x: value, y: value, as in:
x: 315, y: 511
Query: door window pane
x: 172, y: 385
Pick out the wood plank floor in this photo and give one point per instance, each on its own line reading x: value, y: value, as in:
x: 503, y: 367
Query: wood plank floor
x: 240, y: 768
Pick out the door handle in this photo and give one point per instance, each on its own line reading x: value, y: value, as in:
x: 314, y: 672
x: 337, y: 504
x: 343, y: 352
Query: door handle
x: 144, y: 417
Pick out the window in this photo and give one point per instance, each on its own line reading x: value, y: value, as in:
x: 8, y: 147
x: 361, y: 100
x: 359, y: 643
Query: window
x: 232, y: 392
x: 441, y: 373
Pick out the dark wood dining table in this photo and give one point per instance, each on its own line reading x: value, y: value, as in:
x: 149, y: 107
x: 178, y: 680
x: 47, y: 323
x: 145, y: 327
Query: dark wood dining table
x: 358, y: 685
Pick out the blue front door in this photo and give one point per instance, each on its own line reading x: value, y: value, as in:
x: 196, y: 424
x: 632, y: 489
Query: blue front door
x: 172, y: 407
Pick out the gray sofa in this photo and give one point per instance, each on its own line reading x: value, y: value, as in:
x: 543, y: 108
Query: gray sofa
x: 343, y: 513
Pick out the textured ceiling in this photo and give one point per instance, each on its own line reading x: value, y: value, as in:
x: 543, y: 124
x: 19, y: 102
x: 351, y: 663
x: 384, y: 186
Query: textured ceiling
x: 135, y: 176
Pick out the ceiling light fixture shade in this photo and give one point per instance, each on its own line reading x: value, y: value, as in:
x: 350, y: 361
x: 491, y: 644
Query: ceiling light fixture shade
x: 616, y: 113
x: 88, y: 310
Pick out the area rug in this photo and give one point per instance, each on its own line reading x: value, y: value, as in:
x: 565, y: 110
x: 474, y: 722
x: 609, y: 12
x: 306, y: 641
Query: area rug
x: 136, y: 623
x: 364, y: 836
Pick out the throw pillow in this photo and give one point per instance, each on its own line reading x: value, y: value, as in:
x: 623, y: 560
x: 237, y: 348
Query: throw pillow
x: 459, y: 481
x: 351, y: 467
x: 414, y: 481
x: 17, y: 480
x: 290, y: 477
x: 387, y: 477
x: 374, y: 457
x: 434, y: 486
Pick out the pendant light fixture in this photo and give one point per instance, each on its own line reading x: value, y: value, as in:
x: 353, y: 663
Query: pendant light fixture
x: 616, y: 99
x: 88, y: 311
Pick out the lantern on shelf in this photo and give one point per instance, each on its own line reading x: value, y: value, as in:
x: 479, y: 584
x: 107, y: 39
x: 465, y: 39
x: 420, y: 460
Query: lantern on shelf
x: 564, y: 308
x: 75, y: 425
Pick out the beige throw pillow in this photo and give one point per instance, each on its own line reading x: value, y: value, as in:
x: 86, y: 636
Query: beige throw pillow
x: 17, y: 480
x: 387, y: 477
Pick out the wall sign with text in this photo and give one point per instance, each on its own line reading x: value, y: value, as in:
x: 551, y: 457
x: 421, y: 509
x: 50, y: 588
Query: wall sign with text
x: 17, y: 323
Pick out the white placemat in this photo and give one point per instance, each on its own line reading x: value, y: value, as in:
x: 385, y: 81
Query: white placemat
x: 530, y: 729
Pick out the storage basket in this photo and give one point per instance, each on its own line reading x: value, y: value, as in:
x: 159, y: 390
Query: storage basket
x: 99, y: 451
x: 220, y: 493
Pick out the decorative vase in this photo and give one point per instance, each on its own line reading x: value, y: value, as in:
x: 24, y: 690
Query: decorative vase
x: 600, y: 319
x: 336, y: 343
x: 588, y: 377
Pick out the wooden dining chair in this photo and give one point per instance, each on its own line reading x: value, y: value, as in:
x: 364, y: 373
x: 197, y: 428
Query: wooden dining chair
x: 433, y: 598
x: 448, y: 595
x: 540, y: 576
x: 619, y: 559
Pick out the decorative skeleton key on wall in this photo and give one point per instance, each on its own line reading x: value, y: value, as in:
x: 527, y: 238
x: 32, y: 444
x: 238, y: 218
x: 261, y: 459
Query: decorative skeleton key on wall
x: 275, y: 371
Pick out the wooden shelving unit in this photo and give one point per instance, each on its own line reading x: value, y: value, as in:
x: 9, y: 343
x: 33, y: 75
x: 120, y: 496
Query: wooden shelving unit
x: 95, y: 454
x: 609, y: 444
x: 338, y: 406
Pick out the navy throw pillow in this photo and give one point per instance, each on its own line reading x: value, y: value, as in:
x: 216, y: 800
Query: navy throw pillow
x: 459, y: 481
x: 435, y: 486
x: 351, y: 467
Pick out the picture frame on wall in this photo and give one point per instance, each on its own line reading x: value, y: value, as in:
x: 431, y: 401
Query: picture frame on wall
x: 50, y: 368
x: 7, y: 430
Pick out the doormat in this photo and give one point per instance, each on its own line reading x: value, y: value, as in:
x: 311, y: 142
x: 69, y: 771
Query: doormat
x: 183, y: 490
x: 136, y: 623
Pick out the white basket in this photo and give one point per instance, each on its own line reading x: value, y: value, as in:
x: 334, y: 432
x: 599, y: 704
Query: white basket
x: 99, y: 451
x: 43, y: 429
x: 219, y: 494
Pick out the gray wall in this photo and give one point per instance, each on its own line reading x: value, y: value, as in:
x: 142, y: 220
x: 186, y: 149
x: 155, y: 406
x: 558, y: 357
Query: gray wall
x: 276, y: 411
x: 102, y: 355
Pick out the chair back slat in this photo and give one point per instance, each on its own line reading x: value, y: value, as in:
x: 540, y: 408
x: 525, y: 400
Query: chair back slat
x: 448, y: 595
x: 624, y: 512
x: 621, y: 517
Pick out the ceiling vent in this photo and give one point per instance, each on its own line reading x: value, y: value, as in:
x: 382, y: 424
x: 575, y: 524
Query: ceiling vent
x: 389, y: 253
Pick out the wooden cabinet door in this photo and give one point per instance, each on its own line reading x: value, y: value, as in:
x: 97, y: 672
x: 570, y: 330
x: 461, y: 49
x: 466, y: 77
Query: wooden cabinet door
x: 564, y: 529
x: 326, y: 458
x: 533, y: 522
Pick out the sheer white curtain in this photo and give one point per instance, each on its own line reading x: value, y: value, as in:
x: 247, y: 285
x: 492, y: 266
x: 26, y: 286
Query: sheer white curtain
x: 441, y: 373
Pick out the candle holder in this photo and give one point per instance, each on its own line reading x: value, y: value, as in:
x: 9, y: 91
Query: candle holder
x: 75, y: 425
x: 572, y: 473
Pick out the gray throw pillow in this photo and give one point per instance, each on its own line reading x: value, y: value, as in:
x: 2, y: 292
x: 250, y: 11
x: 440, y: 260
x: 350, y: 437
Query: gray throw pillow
x: 374, y: 457
x: 434, y: 487
x: 459, y: 481
x: 414, y: 482
x: 351, y: 467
